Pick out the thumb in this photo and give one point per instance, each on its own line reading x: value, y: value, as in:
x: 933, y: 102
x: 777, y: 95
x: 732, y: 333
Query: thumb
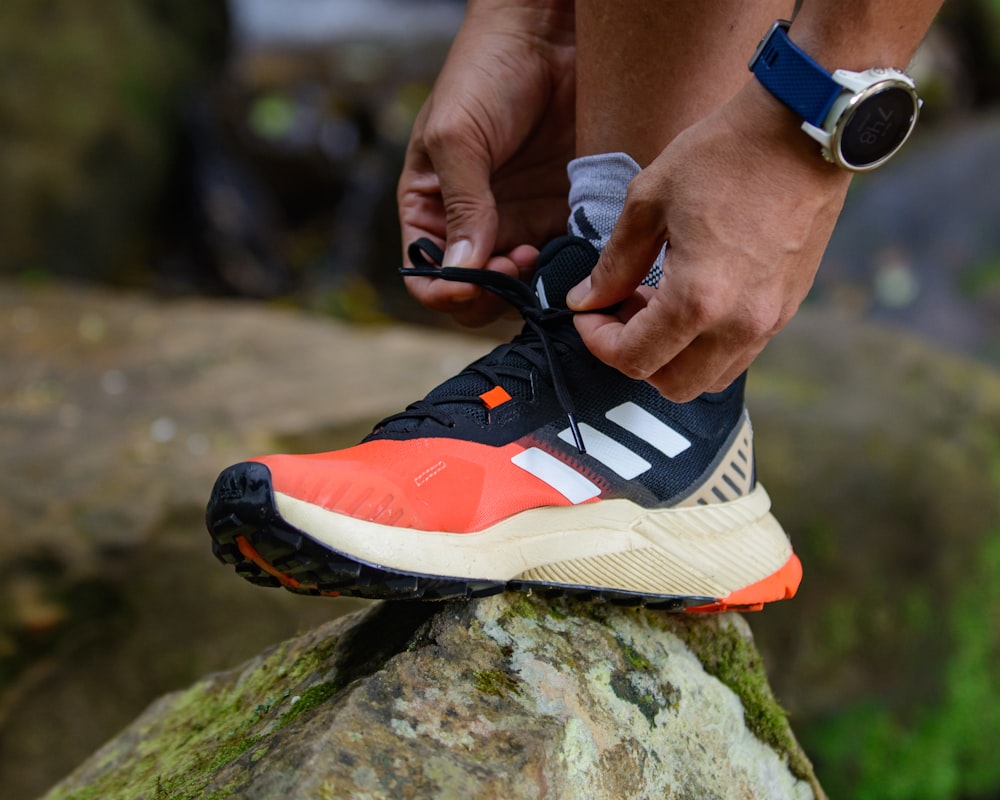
x: 625, y: 261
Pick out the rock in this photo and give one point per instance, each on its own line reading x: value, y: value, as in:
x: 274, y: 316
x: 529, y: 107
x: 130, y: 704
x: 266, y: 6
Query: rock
x: 881, y: 454
x: 512, y: 697
x: 116, y: 414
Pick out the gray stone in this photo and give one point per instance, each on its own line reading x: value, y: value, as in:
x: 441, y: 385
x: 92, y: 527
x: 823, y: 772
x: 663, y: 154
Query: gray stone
x: 508, y: 697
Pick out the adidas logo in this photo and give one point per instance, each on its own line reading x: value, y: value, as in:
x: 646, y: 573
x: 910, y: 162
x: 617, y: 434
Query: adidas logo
x: 624, y: 462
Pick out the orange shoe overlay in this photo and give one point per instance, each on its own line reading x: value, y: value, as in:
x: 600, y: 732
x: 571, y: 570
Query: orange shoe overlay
x: 451, y: 479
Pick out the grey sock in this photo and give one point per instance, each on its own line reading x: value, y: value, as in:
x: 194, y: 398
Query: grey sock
x: 597, y: 196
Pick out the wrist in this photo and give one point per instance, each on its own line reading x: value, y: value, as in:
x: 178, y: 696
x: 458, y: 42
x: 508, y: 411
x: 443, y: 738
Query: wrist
x: 773, y: 132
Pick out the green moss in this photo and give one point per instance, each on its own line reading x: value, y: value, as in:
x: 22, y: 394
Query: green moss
x: 520, y: 606
x: 210, y: 726
x: 229, y: 718
x: 727, y: 655
x: 633, y: 657
x: 309, y: 699
x: 496, y: 682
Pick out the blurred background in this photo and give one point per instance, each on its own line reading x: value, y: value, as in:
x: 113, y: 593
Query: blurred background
x: 166, y: 167
x: 251, y: 148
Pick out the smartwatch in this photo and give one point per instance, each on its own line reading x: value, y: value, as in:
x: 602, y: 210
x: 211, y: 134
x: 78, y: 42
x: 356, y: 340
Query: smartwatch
x: 860, y: 119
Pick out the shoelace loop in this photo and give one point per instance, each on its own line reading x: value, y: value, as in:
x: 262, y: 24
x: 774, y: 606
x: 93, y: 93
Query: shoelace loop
x: 426, y: 257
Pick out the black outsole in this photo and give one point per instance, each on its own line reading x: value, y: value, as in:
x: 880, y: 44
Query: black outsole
x: 242, y: 505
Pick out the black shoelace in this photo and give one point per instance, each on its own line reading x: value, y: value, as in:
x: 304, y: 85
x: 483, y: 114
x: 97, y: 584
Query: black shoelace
x: 543, y: 323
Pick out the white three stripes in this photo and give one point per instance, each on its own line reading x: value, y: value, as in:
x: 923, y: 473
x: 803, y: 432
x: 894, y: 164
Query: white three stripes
x: 613, y: 454
x: 561, y: 477
x: 648, y: 428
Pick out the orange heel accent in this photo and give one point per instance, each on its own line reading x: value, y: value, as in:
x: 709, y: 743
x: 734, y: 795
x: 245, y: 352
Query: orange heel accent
x: 780, y: 585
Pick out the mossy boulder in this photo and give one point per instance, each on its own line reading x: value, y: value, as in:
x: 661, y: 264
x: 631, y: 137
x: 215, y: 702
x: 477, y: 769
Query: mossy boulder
x: 882, y: 458
x: 511, y: 696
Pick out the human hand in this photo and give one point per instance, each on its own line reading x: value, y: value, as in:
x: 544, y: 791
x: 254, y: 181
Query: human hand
x: 485, y: 169
x: 748, y: 205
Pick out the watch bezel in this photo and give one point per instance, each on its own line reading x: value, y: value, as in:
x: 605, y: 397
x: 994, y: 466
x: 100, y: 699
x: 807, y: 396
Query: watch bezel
x: 850, y: 103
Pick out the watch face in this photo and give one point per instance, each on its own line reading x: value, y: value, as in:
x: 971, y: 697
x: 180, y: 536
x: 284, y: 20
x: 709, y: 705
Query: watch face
x: 877, y: 126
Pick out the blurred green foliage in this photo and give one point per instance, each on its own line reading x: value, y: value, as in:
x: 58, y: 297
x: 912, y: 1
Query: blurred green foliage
x: 944, y: 748
x: 88, y: 102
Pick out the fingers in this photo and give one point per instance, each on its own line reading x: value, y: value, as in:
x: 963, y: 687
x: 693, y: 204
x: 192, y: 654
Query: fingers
x: 444, y: 188
x: 635, y: 243
x: 444, y: 194
x: 462, y: 163
x: 478, y: 307
x: 708, y: 362
x: 705, y: 365
x: 641, y: 340
x: 746, y: 237
x: 693, y: 334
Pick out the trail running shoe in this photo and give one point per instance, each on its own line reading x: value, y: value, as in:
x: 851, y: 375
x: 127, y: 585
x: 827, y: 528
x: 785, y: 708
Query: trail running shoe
x: 537, y: 468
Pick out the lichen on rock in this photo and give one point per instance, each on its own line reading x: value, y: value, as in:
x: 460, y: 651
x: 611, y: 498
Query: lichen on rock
x: 510, y: 696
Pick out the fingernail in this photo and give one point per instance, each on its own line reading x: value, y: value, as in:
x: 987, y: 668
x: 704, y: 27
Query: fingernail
x: 579, y: 293
x: 458, y: 253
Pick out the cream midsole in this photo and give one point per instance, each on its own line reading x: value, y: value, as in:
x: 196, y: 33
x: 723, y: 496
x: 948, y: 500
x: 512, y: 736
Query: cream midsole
x: 706, y: 550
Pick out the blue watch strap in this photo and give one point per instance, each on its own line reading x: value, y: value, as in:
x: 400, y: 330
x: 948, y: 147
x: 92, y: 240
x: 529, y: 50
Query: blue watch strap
x: 793, y: 77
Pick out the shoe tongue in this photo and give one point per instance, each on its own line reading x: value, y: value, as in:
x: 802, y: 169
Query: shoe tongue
x: 561, y: 265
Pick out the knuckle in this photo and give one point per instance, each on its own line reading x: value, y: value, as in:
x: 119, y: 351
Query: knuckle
x: 442, y: 134
x: 764, y: 323
x: 706, y: 308
x: 783, y: 318
x: 643, y: 201
x: 451, y: 130
x: 759, y: 325
x: 632, y: 362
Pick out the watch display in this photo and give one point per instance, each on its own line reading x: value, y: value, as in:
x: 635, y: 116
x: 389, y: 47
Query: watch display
x: 876, y: 127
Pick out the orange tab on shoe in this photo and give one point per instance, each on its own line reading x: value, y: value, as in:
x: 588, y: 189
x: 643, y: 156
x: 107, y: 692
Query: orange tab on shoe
x: 496, y: 396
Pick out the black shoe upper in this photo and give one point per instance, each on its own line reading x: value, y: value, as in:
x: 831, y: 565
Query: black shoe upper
x: 554, y: 383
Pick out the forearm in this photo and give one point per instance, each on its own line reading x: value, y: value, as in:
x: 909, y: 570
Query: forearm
x: 861, y: 34
x: 548, y: 19
x: 649, y: 70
